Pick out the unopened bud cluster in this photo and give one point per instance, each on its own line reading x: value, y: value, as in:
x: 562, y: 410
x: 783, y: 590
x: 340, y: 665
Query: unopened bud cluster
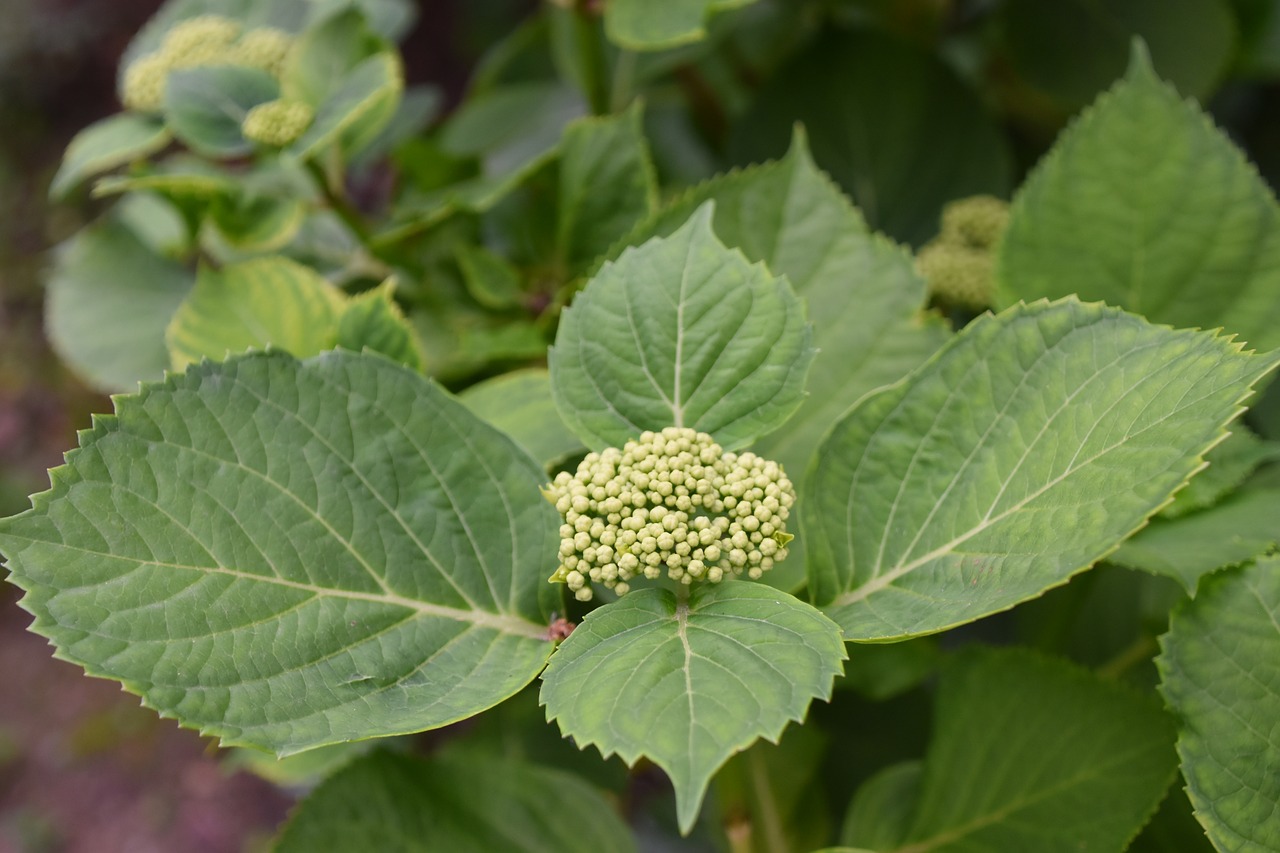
x: 673, y: 502
x: 958, y: 263
x: 198, y: 42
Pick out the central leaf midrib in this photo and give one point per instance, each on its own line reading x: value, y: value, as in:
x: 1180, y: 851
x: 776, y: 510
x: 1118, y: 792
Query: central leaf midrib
x: 505, y: 623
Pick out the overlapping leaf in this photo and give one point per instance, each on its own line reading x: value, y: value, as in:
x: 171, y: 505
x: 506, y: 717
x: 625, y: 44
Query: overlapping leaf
x: 1220, y: 673
x: 109, y: 300
x: 640, y: 25
x: 862, y: 294
x: 519, y: 403
x: 107, y: 144
x: 681, y: 332
x: 1144, y: 204
x: 688, y: 684
x: 289, y: 554
x: 1027, y: 449
x: 1027, y: 754
x: 470, y: 805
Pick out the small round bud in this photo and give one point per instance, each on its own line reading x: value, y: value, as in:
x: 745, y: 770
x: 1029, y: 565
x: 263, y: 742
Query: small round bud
x: 144, y: 83
x: 958, y: 275
x: 263, y: 47
x: 978, y: 221
x: 199, y: 34
x: 277, y: 123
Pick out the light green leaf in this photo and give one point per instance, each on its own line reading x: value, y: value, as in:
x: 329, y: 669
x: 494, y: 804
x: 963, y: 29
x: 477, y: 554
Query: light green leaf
x: 491, y: 279
x: 359, y: 108
x: 879, y: 816
x: 877, y: 131
x: 520, y: 404
x: 323, y: 55
x: 688, y: 684
x: 863, y: 296
x: 514, y: 128
x: 607, y: 185
x: 1030, y: 753
x: 1186, y: 548
x: 109, y: 301
x: 1024, y: 451
x: 1073, y: 49
x: 100, y: 147
x: 265, y: 302
x: 644, y: 25
x: 473, y: 805
x: 1220, y: 673
x: 1144, y: 204
x: 238, y: 546
x: 204, y: 107
x: 261, y: 224
x: 681, y: 332
x: 374, y: 321
x: 184, y: 179
x: 156, y: 221
x: 1229, y: 464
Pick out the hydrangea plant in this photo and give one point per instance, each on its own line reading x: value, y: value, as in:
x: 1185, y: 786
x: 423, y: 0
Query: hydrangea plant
x: 517, y: 418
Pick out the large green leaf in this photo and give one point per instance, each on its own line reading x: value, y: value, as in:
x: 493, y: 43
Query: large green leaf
x: 1144, y: 204
x: 204, y: 107
x: 461, y: 805
x: 901, y: 149
x: 264, y: 302
x: 1186, y: 548
x: 106, y: 144
x: 109, y: 301
x: 1073, y: 49
x: 862, y: 293
x: 1029, y: 753
x: 520, y: 404
x: 1027, y: 449
x: 607, y: 185
x: 644, y: 25
x: 1220, y: 673
x: 689, y: 683
x: 879, y: 815
x: 290, y: 554
x: 681, y: 332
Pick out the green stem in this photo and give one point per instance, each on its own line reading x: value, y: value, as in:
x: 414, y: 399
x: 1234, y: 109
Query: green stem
x: 1137, y: 652
x: 587, y: 42
x: 335, y: 196
x: 768, y: 816
x: 624, y: 74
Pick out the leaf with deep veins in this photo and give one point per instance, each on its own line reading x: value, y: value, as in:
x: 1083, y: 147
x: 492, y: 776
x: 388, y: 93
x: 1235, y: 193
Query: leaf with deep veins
x: 685, y: 332
x: 289, y: 554
x: 688, y: 684
x: 1025, y: 450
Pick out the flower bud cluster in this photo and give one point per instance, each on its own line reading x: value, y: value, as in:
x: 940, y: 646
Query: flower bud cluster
x: 277, y: 122
x: 673, y: 502
x: 198, y: 42
x: 958, y: 263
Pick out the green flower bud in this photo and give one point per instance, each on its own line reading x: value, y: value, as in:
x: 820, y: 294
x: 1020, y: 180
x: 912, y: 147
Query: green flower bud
x: 978, y: 221
x: 957, y: 275
x: 265, y: 48
x: 203, y: 34
x: 278, y: 123
x: 144, y: 83
x: 672, y: 501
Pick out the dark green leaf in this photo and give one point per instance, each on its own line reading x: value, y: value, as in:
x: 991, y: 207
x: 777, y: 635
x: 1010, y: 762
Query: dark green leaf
x: 688, y: 684
x: 473, y: 805
x: 893, y: 125
x: 1220, y: 673
x: 520, y: 404
x: 291, y: 554
x: 1144, y: 204
x: 1027, y: 449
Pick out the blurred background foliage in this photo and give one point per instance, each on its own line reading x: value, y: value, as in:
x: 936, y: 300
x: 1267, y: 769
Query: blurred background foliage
x: 908, y: 104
